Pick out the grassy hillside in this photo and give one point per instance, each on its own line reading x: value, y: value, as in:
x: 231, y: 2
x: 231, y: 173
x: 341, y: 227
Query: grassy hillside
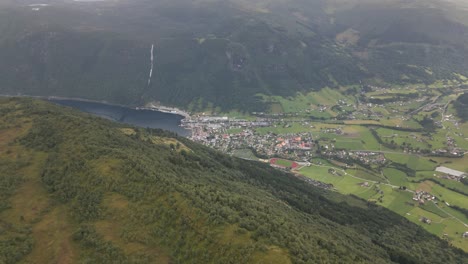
x: 79, y: 189
x: 220, y: 54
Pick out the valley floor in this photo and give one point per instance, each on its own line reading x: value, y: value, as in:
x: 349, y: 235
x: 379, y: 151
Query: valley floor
x: 383, y: 145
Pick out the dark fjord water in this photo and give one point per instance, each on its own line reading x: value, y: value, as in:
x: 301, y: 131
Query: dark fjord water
x: 141, y: 118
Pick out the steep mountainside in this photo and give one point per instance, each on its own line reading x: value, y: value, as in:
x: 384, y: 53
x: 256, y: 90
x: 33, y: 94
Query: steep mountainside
x: 79, y: 189
x: 222, y: 53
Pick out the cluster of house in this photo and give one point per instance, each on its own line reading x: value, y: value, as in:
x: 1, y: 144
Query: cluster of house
x: 301, y: 141
x: 368, y: 157
x: 209, y: 129
x: 451, y: 152
x: 432, y: 107
x: 452, y: 119
x: 422, y: 196
x: 337, y: 131
x: 227, y: 135
x: 364, y: 157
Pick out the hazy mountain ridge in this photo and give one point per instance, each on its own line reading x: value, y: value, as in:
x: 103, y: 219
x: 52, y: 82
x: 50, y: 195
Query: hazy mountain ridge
x: 221, y: 54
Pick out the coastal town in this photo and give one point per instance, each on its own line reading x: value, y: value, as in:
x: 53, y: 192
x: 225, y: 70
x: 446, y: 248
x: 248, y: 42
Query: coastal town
x: 227, y: 135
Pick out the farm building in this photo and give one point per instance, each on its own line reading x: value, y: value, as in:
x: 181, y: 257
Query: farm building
x: 451, y: 172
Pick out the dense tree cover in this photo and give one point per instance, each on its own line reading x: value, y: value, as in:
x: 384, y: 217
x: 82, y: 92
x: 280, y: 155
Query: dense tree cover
x: 461, y: 210
x: 461, y: 106
x: 223, y: 54
x: 195, y: 204
x: 464, y: 180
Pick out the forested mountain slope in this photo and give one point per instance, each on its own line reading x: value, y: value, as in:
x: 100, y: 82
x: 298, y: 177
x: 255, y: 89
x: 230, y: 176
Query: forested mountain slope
x: 224, y: 53
x: 461, y: 106
x: 79, y: 189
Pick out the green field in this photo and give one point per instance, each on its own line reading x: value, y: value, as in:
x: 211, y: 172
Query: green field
x: 402, y: 138
x: 460, y: 164
x: 365, y: 174
x: 349, y: 144
x: 284, y: 163
x: 283, y: 129
x: 354, y: 137
x: 344, y: 184
x: 451, y: 197
x: 396, y: 177
x: 300, y: 102
x: 244, y: 154
x: 412, y: 161
x: 400, y: 201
